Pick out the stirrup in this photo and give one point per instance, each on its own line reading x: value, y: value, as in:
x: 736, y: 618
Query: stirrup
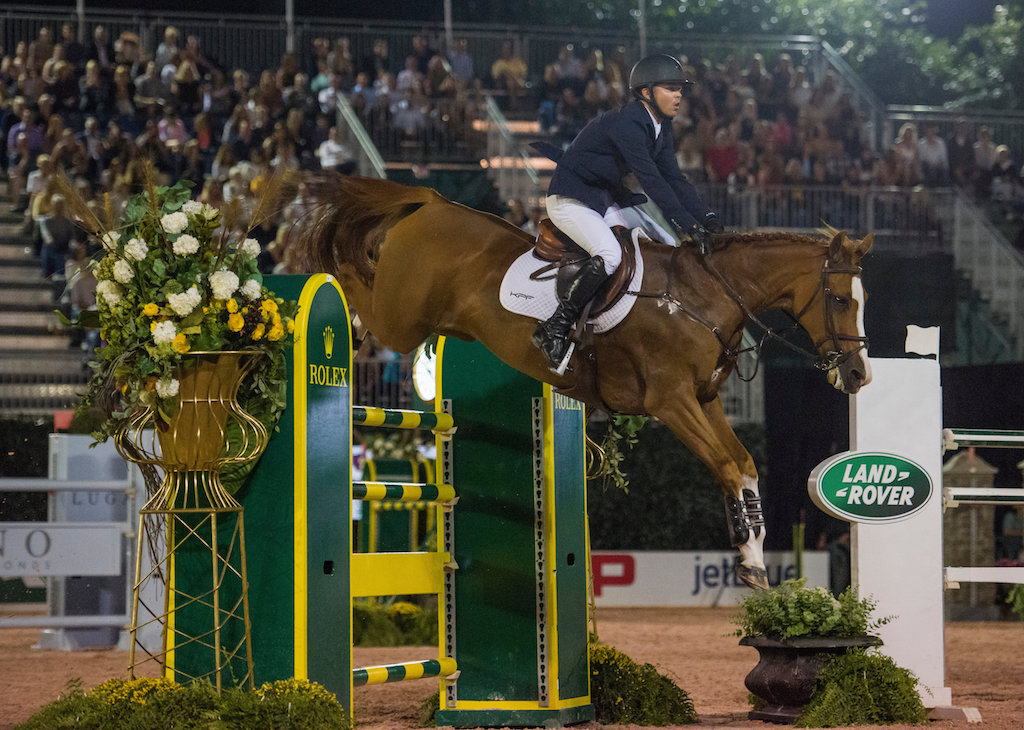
x: 569, y: 350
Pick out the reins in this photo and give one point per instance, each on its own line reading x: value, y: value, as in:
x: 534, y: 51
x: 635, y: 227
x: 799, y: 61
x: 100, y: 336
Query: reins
x: 836, y: 356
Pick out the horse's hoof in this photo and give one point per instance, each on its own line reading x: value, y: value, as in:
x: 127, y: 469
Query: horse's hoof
x: 756, y: 578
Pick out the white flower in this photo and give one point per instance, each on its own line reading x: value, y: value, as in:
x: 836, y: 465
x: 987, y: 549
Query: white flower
x: 123, y: 271
x: 164, y: 332
x: 224, y: 284
x: 135, y: 250
x: 110, y: 239
x: 185, y: 302
x: 250, y: 247
x: 209, y: 212
x: 252, y: 289
x: 186, y: 245
x: 174, y: 222
x: 166, y: 387
x: 192, y: 207
x: 109, y: 292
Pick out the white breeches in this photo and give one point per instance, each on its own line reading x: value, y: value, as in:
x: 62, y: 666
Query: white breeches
x: 588, y: 228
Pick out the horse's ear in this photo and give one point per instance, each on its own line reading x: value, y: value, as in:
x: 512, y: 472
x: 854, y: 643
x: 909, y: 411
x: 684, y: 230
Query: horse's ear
x: 835, y: 247
x: 866, y: 243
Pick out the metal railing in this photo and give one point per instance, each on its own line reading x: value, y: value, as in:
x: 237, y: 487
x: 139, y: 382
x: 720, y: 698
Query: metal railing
x: 509, y: 166
x: 353, y: 134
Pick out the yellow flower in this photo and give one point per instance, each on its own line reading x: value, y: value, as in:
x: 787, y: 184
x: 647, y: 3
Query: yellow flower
x: 269, y: 305
x: 151, y: 310
x: 291, y: 326
x: 180, y: 344
x: 236, y: 322
x: 276, y: 333
x: 232, y: 305
x: 257, y: 334
x: 152, y: 326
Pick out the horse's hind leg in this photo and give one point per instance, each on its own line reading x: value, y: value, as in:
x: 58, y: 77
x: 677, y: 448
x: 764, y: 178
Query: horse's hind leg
x: 706, y: 432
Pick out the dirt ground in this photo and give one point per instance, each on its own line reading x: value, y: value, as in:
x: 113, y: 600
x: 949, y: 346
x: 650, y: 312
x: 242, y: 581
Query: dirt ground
x: 985, y: 668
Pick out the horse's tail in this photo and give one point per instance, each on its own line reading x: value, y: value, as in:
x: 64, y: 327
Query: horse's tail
x: 351, y: 219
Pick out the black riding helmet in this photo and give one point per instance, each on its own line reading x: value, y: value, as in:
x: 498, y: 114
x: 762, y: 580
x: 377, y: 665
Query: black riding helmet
x: 657, y: 68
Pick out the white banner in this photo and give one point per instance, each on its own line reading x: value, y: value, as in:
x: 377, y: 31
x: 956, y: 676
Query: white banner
x: 60, y: 549
x: 689, y: 578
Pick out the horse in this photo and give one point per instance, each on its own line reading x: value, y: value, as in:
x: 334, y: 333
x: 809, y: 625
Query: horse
x: 414, y: 264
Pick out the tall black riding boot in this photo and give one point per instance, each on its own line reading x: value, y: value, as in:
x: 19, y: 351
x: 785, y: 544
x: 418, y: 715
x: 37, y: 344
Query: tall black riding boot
x: 551, y: 336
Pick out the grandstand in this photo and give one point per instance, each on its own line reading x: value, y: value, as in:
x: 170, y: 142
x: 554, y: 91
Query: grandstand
x: 779, y: 133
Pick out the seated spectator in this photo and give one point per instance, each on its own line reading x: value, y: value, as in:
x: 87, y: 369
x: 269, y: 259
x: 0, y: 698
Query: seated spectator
x: 408, y: 75
x: 128, y: 54
x: 22, y: 164
x: 690, y: 158
x: 168, y: 47
x: 934, y: 157
x: 74, y: 52
x: 722, y: 157
x: 960, y: 147
x: 223, y: 161
x: 1006, y: 182
x: 150, y: 90
x: 508, y: 74
x: 984, y: 159
x: 186, y: 89
x: 423, y: 52
x: 171, y: 128
x: 94, y: 92
x: 65, y: 92
x: 334, y: 155
x: 461, y: 63
x: 908, y: 156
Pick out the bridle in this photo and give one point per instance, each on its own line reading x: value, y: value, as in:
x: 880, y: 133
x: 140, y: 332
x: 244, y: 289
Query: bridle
x: 834, y: 357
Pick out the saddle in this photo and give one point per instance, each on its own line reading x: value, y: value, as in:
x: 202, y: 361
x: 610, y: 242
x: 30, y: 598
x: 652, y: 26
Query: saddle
x: 565, y: 256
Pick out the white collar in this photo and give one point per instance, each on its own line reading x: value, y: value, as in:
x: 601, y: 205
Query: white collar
x: 657, y: 123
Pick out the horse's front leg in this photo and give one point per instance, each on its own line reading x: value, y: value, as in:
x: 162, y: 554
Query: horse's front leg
x: 743, y: 513
x: 706, y: 432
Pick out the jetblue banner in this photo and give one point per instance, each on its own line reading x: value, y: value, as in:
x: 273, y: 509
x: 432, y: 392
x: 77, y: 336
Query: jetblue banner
x: 653, y: 579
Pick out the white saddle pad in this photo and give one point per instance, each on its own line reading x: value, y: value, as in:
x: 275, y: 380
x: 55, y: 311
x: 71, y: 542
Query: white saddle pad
x: 537, y: 298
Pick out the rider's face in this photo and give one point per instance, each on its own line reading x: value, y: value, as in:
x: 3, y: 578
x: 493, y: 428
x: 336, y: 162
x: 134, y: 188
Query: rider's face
x: 667, y: 98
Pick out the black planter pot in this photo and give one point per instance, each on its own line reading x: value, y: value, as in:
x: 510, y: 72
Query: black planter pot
x: 784, y: 677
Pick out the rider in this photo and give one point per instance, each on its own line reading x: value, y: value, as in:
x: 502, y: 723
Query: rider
x: 587, y: 182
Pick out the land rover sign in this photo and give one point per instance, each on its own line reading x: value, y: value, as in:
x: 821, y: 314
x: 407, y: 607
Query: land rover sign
x: 869, y: 486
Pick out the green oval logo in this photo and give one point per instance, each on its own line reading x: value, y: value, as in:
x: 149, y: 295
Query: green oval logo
x: 869, y: 486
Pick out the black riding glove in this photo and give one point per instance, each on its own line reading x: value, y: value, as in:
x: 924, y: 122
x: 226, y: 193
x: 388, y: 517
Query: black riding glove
x: 699, y: 235
x: 712, y: 223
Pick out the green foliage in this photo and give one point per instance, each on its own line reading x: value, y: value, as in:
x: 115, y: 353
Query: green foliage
x: 376, y: 623
x: 665, y: 479
x: 1016, y: 600
x: 144, y: 703
x: 620, y: 429
x: 863, y: 688
x: 627, y: 693
x: 792, y: 610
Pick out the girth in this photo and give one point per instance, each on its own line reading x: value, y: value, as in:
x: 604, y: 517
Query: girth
x: 565, y: 257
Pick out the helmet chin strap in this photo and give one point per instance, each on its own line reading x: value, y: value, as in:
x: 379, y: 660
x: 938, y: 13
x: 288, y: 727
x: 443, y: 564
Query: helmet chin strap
x: 653, y: 105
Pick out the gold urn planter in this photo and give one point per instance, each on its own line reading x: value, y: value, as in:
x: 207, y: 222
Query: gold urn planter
x: 207, y: 635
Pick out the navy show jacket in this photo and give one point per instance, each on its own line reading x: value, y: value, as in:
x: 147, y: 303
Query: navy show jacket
x: 616, y: 143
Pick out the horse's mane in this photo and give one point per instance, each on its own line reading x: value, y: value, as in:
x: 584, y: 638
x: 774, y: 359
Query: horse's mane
x: 775, y: 237
x: 351, y: 219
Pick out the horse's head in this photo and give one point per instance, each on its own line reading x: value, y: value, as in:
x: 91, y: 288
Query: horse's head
x: 834, y: 316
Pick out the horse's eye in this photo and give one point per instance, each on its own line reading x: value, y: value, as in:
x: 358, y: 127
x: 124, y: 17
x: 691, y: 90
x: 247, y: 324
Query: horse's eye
x: 841, y: 303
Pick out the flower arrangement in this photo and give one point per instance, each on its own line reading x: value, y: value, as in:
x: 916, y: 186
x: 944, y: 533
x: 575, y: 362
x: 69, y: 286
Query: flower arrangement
x: 792, y: 610
x: 174, y: 280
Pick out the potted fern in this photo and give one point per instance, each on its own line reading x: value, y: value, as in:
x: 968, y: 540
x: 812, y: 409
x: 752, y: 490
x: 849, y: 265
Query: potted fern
x: 796, y: 631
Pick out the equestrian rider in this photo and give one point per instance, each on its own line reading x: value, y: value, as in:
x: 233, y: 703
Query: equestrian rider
x: 587, y: 185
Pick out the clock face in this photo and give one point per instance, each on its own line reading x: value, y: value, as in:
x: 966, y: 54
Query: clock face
x: 424, y: 367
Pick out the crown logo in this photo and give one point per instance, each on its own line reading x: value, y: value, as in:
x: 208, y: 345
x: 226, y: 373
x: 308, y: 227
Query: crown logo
x: 328, y: 341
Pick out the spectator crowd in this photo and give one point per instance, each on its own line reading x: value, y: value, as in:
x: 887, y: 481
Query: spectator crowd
x: 103, y: 111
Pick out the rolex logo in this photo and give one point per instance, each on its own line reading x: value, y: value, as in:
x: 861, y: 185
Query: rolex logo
x: 328, y: 341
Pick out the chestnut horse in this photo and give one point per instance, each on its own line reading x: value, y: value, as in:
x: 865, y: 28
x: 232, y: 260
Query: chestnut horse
x: 413, y: 263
